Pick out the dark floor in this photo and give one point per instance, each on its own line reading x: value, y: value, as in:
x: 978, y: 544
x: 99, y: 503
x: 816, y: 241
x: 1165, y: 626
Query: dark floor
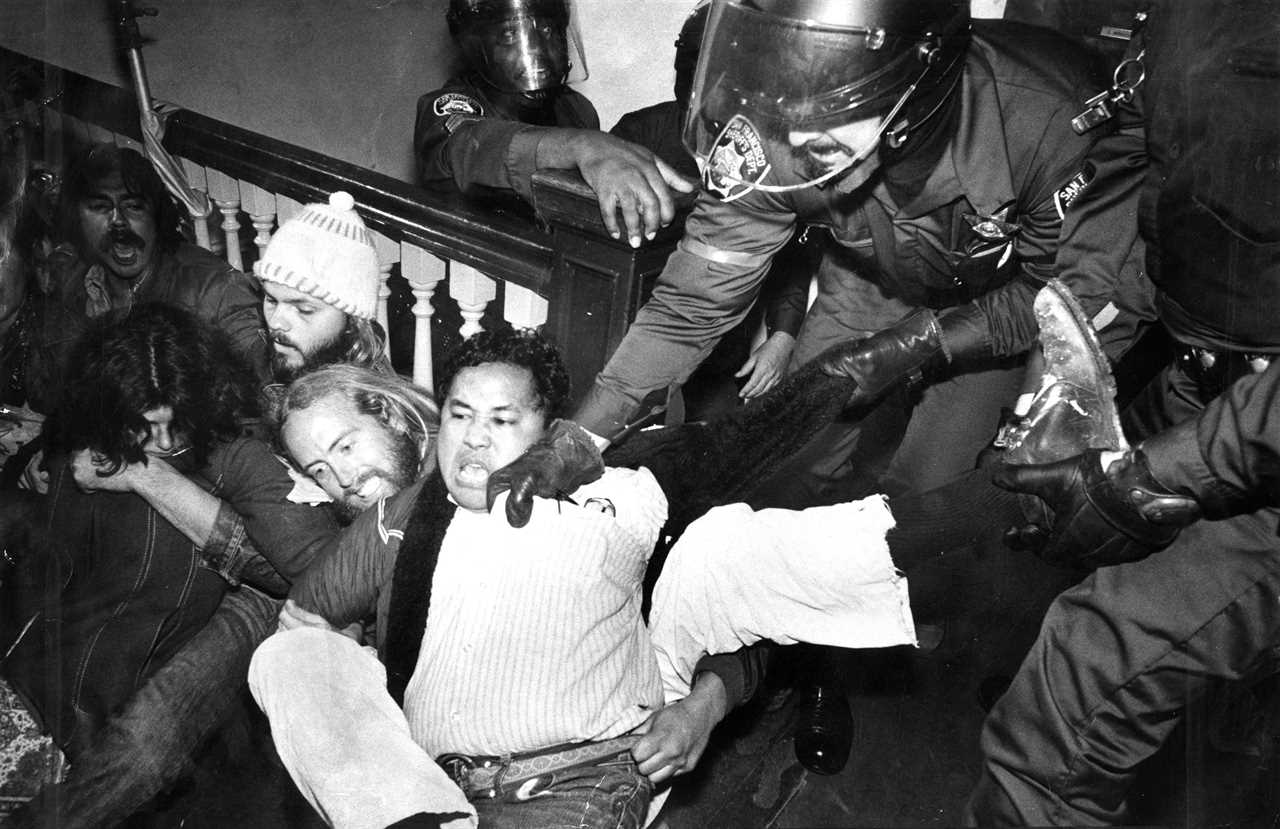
x: 917, y: 716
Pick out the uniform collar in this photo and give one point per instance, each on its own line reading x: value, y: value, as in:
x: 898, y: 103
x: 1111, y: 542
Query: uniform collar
x: 975, y: 165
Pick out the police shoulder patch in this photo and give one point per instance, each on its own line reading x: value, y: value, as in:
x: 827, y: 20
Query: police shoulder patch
x: 455, y: 103
x: 1069, y: 192
x: 737, y: 160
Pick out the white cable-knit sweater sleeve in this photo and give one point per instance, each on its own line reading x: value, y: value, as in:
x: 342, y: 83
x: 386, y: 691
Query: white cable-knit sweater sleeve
x: 637, y: 501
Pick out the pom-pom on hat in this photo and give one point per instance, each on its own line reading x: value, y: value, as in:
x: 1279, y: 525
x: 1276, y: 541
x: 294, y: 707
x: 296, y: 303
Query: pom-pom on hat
x: 326, y: 251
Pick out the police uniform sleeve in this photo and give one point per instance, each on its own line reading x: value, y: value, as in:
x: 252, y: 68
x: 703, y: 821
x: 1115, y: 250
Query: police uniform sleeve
x: 458, y: 144
x: 706, y: 288
x: 1228, y: 458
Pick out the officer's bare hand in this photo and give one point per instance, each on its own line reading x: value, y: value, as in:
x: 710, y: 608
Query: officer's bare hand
x: 766, y: 365
x: 626, y: 178
x: 677, y: 734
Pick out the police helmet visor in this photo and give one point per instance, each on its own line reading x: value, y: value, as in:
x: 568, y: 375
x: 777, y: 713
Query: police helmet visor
x: 787, y: 73
x: 523, y: 45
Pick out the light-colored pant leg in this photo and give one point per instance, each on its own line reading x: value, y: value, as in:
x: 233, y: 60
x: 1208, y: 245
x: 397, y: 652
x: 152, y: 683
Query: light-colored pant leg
x: 821, y: 575
x: 343, y: 739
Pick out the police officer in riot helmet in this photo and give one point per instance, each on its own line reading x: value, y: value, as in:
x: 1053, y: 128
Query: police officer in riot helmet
x: 824, y: 100
x: 526, y: 51
x: 512, y: 111
x: 940, y: 154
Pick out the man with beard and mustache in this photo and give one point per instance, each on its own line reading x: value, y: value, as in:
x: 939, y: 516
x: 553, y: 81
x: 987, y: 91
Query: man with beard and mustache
x: 121, y: 245
x: 942, y: 156
x: 320, y: 281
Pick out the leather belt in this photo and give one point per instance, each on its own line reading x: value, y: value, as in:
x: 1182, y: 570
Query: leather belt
x: 483, y: 776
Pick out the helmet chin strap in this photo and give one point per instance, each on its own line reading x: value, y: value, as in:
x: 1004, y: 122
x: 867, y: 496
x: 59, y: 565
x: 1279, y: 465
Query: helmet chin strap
x: 861, y: 155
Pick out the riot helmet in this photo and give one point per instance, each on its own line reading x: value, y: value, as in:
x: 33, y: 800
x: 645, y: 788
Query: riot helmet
x: 688, y: 43
x: 519, y: 46
x: 770, y: 68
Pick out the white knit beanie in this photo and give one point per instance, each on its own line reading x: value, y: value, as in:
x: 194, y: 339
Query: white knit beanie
x: 326, y: 251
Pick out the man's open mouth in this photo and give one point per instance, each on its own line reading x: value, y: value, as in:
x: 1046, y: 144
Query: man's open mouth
x: 125, y: 254
x: 473, y: 473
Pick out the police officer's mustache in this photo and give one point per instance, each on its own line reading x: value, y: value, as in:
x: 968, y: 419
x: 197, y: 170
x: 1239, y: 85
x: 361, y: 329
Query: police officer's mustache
x: 823, y: 146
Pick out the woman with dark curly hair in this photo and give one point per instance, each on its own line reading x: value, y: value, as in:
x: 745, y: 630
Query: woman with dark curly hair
x: 132, y: 560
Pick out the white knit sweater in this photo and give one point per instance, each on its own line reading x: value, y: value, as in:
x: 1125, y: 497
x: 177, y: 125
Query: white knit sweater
x: 535, y: 635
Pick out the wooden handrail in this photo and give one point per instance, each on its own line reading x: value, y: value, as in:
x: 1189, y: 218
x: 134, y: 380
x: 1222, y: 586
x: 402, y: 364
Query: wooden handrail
x: 498, y: 242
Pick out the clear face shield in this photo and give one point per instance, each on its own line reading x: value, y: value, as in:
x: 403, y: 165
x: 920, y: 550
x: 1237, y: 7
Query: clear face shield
x: 527, y: 45
x: 763, y: 79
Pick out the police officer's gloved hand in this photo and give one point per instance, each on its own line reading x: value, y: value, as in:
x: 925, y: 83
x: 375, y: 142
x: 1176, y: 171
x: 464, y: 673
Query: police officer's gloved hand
x: 1100, y: 516
x: 565, y: 459
x: 887, y: 357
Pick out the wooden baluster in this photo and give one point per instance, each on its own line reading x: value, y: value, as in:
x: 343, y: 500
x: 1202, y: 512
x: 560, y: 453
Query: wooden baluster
x: 198, y: 180
x: 388, y: 256
x: 473, y: 291
x: 286, y: 208
x: 225, y: 192
x: 260, y: 204
x: 523, y: 308
x: 424, y: 272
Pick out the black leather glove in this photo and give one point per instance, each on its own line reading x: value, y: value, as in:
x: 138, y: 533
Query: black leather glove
x: 887, y: 357
x: 1100, y: 517
x: 565, y: 459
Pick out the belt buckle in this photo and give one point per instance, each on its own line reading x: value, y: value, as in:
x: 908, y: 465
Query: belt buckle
x: 459, y: 768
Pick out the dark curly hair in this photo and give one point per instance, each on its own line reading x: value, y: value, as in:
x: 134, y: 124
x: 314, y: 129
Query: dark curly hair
x: 523, y: 348
x: 97, y: 162
x: 156, y: 355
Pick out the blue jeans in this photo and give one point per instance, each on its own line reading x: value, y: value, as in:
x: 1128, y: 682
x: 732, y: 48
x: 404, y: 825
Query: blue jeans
x: 150, y: 743
x: 609, y: 794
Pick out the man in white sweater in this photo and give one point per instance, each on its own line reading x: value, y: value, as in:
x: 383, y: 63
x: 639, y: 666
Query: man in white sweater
x: 517, y: 658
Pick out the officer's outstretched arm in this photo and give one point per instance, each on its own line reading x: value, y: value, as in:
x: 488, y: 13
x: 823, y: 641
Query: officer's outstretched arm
x: 626, y: 178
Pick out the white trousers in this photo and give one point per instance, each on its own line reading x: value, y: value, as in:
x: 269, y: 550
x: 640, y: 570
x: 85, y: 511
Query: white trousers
x: 343, y: 739
x: 822, y: 575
